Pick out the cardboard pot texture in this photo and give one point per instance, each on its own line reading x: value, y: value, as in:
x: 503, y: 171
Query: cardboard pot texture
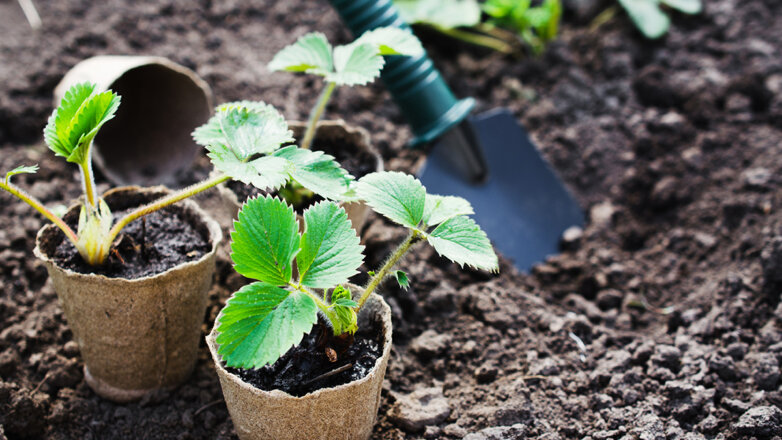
x: 345, y: 412
x: 336, y: 132
x: 135, y: 335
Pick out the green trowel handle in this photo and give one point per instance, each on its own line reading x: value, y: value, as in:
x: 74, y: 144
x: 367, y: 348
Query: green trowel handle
x: 417, y: 87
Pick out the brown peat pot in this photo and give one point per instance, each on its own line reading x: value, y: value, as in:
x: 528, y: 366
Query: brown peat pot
x: 331, y: 133
x: 135, y: 335
x: 345, y: 412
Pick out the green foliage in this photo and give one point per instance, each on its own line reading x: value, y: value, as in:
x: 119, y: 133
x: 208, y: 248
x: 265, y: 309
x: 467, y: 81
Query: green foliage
x: 398, y: 196
x: 446, y: 14
x: 76, y: 121
x: 243, y: 140
x: 403, y: 199
x: 330, y: 250
x: 462, y: 241
x: 649, y: 18
x: 401, y: 279
x: 94, y: 233
x: 263, y: 320
x: 536, y: 25
x: 32, y: 169
x: 344, y: 318
x: 356, y: 63
x: 265, y: 240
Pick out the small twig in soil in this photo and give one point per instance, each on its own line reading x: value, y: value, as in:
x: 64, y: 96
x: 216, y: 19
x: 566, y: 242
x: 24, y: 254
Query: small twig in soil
x: 603, y: 18
x: 207, y: 406
x: 115, y: 252
x: 30, y: 13
x: 40, y: 384
x: 534, y: 376
x: 144, y: 238
x: 581, y: 346
x: 644, y: 305
x: 330, y: 373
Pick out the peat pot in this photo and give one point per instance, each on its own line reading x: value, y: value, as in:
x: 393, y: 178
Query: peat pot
x: 331, y: 133
x: 346, y: 411
x: 135, y: 335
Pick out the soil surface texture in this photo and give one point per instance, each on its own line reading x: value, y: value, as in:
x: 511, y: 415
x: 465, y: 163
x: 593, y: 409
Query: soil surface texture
x: 307, y: 368
x: 661, y: 319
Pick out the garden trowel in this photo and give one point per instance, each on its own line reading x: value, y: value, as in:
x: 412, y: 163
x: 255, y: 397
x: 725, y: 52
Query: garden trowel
x: 488, y: 159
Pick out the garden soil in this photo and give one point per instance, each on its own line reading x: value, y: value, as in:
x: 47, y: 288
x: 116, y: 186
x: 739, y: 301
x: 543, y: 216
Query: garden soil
x: 660, y: 320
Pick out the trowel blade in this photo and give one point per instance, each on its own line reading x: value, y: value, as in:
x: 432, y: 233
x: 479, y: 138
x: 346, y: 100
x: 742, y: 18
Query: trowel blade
x: 523, y: 205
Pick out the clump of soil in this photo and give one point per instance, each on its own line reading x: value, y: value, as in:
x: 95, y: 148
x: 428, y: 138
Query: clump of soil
x: 148, y: 246
x: 298, y: 370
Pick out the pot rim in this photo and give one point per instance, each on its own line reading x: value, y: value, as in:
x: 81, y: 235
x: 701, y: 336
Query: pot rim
x: 279, y: 394
x: 215, y: 236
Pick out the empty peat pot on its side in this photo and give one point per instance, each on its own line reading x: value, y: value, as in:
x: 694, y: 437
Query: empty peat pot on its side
x: 142, y: 334
x: 345, y: 411
x: 350, y: 145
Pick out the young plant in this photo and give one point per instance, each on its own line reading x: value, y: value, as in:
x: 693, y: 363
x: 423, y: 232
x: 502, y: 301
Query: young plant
x: 357, y: 63
x: 536, y: 25
x: 649, y: 17
x: 243, y: 140
x: 508, y: 21
x: 264, y: 319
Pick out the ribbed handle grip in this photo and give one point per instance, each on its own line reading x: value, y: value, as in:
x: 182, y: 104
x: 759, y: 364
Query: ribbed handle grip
x: 417, y: 87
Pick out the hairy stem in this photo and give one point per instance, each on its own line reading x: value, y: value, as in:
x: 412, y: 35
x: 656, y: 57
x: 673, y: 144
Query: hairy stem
x: 487, y: 41
x: 38, y: 206
x: 389, y: 265
x: 168, y: 200
x: 316, y: 113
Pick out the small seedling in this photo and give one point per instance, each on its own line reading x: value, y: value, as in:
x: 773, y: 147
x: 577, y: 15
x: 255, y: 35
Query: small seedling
x: 357, y: 63
x: 264, y: 319
x: 243, y: 141
x: 649, y: 17
x: 508, y: 20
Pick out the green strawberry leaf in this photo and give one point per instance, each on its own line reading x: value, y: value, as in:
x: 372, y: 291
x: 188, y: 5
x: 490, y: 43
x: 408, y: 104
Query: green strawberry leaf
x: 317, y: 171
x: 447, y: 14
x: 398, y: 196
x: 265, y: 240
x: 266, y: 172
x: 344, y: 318
x: 391, y: 41
x: 311, y: 53
x: 462, y: 241
x: 686, y: 6
x: 356, y: 64
x: 402, y: 279
x: 330, y: 249
x: 440, y: 208
x: 647, y: 16
x: 261, y: 322
x: 76, y: 121
x: 32, y: 169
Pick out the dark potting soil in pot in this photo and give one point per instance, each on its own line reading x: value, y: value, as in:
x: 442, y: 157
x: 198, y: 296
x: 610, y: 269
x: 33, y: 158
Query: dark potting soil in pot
x: 298, y: 371
x: 148, y: 246
x: 355, y: 161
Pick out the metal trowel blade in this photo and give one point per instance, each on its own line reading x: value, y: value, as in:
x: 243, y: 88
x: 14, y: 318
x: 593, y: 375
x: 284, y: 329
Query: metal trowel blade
x: 521, y: 204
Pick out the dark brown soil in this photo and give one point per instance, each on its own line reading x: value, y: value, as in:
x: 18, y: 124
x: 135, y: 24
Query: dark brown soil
x: 674, y: 149
x: 300, y: 370
x: 148, y: 246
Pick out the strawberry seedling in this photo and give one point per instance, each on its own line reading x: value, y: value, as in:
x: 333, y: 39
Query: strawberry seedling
x: 263, y: 320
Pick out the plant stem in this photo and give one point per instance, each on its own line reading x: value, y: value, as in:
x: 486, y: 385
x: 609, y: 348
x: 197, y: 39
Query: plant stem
x: 89, y: 183
x: 38, y: 206
x: 166, y: 201
x: 490, y: 42
x: 603, y: 18
x: 389, y: 265
x: 316, y: 113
